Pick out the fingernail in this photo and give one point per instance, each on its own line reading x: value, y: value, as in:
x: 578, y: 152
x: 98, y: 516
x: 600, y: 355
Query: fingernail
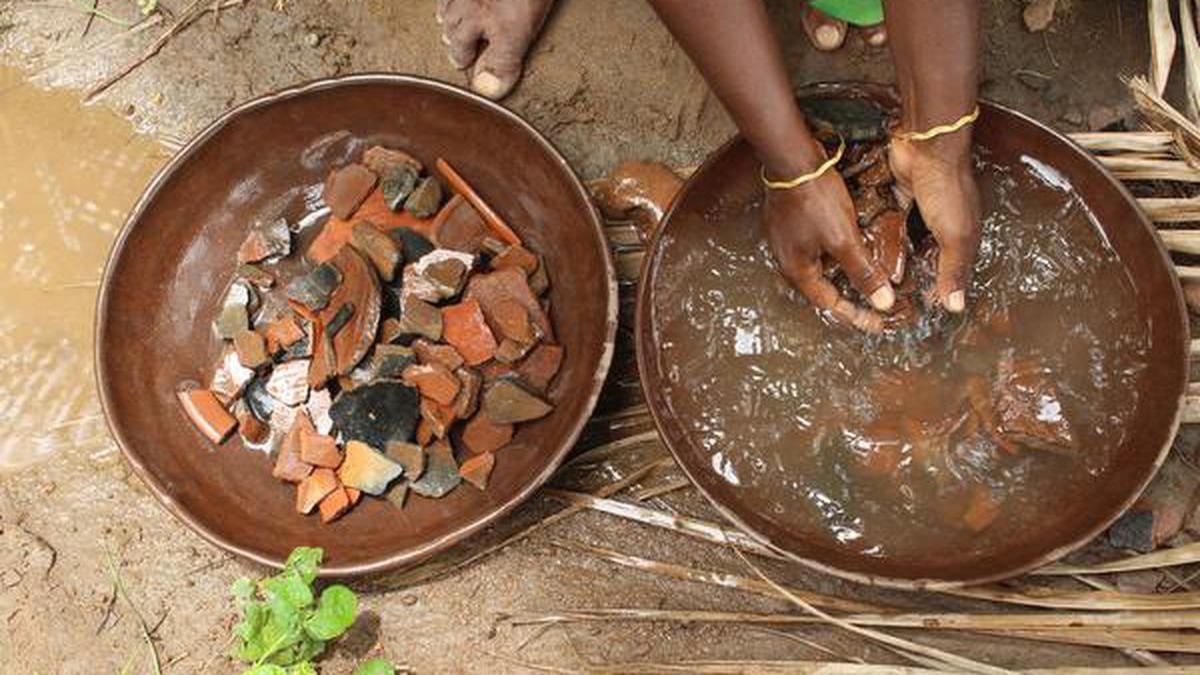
x: 877, y: 39
x: 956, y: 301
x: 883, y: 298
x: 445, y: 39
x: 827, y: 36
x: 488, y: 84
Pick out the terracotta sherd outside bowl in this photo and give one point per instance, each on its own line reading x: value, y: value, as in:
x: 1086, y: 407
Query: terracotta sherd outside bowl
x: 729, y: 178
x: 170, y: 266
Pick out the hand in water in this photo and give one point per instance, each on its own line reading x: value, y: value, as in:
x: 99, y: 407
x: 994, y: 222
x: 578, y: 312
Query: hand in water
x: 803, y: 224
x: 938, y: 174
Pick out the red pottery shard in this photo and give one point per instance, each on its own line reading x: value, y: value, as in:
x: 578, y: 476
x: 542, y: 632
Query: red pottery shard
x: 207, y: 414
x: 464, y: 327
x: 434, y: 381
x: 335, y: 504
x: 314, y: 488
x: 1029, y: 408
x: 431, y: 352
x: 377, y: 247
x: 637, y: 191
x: 252, y: 429
x: 516, y: 256
x: 346, y: 188
x: 476, y: 470
x: 251, y: 348
x: 541, y: 365
x: 482, y: 435
x: 510, y: 319
x: 459, y: 227
x: 380, y: 159
x: 982, y: 509
x: 439, y: 416
x: 360, y: 288
x: 494, y: 222
x: 288, y: 465
x: 887, y: 237
x: 319, y: 450
x: 283, y: 332
x: 492, y: 289
x: 467, y: 401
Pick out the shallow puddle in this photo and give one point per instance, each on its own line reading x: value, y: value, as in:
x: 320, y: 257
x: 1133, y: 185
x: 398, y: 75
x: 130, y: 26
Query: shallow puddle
x: 68, y: 177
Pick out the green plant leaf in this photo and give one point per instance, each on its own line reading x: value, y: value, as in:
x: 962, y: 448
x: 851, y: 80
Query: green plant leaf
x: 305, y: 560
x: 375, y: 667
x: 335, y: 613
x: 243, y: 591
x: 290, y: 587
x: 304, y: 668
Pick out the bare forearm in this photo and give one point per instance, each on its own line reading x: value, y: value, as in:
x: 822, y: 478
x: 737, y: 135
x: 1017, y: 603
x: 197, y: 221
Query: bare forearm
x: 935, y: 46
x: 731, y: 42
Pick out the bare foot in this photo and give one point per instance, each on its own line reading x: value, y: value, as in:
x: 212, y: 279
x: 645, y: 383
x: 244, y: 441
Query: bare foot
x: 828, y: 34
x: 491, y: 37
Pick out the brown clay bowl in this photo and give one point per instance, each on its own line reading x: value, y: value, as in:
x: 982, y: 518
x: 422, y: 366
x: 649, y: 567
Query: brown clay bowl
x: 169, y: 267
x: 730, y: 177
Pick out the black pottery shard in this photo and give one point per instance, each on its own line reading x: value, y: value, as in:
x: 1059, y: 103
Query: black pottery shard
x: 376, y: 413
x: 313, y: 289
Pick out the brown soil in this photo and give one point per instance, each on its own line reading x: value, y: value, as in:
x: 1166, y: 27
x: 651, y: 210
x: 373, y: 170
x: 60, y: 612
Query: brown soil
x: 606, y: 84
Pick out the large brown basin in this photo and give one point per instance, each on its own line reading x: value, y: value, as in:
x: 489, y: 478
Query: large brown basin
x: 168, y: 270
x: 729, y: 179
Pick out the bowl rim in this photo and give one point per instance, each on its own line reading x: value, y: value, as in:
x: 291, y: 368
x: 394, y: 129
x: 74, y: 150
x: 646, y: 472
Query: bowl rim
x: 641, y: 328
x: 184, y: 154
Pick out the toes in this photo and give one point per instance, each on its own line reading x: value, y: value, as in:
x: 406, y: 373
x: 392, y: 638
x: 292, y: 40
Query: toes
x: 462, y: 42
x: 499, y: 67
x: 825, y: 33
x: 875, y: 36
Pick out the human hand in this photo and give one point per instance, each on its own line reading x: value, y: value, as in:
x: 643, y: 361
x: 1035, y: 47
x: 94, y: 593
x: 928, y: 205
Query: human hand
x: 804, y: 223
x: 938, y: 174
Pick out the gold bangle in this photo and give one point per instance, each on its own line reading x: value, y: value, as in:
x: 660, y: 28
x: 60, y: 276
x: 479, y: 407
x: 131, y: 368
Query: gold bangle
x: 808, y: 177
x: 941, y: 129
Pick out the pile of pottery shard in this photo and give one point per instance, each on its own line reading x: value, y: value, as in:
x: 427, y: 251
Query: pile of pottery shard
x: 397, y: 355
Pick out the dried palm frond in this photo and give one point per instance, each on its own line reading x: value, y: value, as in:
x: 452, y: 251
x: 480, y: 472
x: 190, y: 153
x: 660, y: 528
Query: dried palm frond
x: 1162, y: 43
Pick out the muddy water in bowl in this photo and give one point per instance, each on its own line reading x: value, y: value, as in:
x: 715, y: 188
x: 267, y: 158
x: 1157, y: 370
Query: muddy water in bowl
x: 945, y: 439
x: 68, y: 177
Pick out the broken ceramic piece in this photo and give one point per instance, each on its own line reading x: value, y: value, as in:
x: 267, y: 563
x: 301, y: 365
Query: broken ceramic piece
x: 389, y: 361
x: 376, y: 413
x: 538, y: 369
x: 289, y: 466
x: 365, y: 468
x: 206, y: 413
x: 494, y: 289
x: 438, y: 416
x: 360, y: 289
x: 464, y: 327
x: 477, y: 469
x: 258, y: 400
x: 481, y: 435
x: 420, y: 319
x: 432, y: 352
x: 1029, y: 409
x: 283, y: 333
x: 434, y: 278
x: 467, y: 401
x: 377, y: 247
x: 335, y: 504
x: 398, y: 183
x: 319, y: 450
x: 230, y: 377
x: 234, y: 315
x: 511, y: 351
x: 313, y: 488
x: 459, y: 227
x: 251, y: 349
x: 346, y: 189
x: 434, y: 381
x: 413, y: 246
x: 383, y: 160
x: 339, y: 319
x: 268, y: 242
x: 425, y: 199
x: 256, y: 277
x: 408, y: 455
x: 288, y: 382
x: 314, y: 289
x: 441, y: 472
x: 506, y: 402
x: 397, y: 494
x: 253, y: 431
x: 317, y: 407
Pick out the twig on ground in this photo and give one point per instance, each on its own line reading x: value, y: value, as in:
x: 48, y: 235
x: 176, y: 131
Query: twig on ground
x: 147, y: 634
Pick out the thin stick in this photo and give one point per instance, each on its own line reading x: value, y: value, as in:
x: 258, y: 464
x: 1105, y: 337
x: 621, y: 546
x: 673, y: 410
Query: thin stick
x: 692, y: 527
x: 1085, y: 600
x: 1149, y: 142
x: 960, y: 662
x: 601, y: 452
x: 1142, y: 621
x: 721, y: 579
x: 1139, y: 168
x: 660, y: 490
x: 1169, y: 557
x: 462, y: 187
x: 1171, y: 210
x: 155, y: 663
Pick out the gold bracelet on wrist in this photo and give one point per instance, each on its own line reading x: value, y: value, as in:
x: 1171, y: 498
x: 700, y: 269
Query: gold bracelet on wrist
x: 808, y: 177
x: 939, y: 130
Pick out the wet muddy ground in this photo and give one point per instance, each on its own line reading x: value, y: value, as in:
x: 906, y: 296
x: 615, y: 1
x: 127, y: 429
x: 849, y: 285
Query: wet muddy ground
x: 606, y: 84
